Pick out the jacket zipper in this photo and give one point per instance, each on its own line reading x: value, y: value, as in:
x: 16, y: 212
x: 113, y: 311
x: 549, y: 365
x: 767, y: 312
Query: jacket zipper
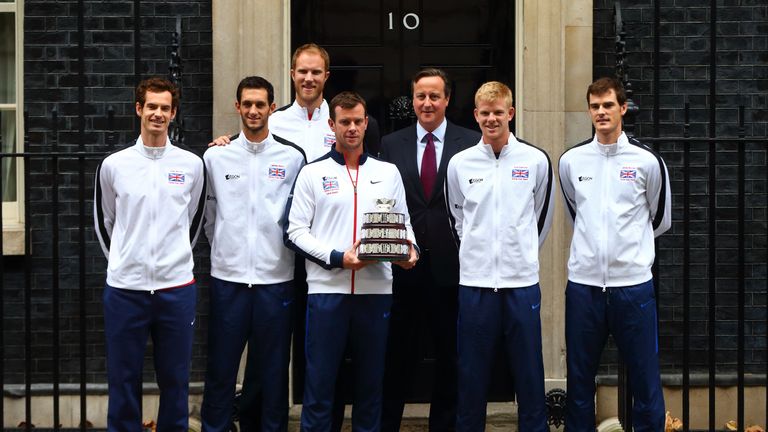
x: 604, y: 202
x: 496, y: 213
x: 153, y: 223
x: 354, y: 221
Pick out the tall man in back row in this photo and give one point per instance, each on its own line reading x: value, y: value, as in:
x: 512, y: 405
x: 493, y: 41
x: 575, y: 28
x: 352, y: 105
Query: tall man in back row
x: 426, y: 295
x: 617, y: 193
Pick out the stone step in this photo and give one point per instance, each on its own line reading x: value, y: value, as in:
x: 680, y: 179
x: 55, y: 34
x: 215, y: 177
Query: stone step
x: 502, y: 416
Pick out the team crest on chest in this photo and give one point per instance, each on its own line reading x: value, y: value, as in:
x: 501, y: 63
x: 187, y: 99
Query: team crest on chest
x: 330, y: 185
x: 329, y: 140
x: 176, y: 177
x: 277, y: 172
x: 628, y: 174
x: 520, y: 173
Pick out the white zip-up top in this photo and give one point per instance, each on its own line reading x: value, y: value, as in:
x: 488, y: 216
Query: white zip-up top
x: 148, y: 210
x: 501, y: 211
x: 248, y: 186
x: 618, y: 198
x: 325, y: 214
x: 314, y: 136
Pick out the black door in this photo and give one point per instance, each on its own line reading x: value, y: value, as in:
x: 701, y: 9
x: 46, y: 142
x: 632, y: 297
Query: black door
x: 375, y: 48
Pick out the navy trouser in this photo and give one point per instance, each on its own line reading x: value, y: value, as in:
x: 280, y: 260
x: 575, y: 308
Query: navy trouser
x: 510, y: 316
x: 331, y: 320
x: 260, y: 315
x: 130, y: 317
x: 629, y: 314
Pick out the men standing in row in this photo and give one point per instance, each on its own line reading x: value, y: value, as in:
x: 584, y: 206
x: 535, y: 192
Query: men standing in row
x: 251, y: 292
x: 617, y: 193
x: 499, y: 194
x: 148, y: 210
x: 428, y: 293
x: 348, y: 298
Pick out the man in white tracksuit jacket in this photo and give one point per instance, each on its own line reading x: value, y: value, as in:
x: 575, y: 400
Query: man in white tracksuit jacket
x: 499, y: 194
x: 252, y: 291
x: 148, y: 210
x: 349, y: 299
x: 617, y: 193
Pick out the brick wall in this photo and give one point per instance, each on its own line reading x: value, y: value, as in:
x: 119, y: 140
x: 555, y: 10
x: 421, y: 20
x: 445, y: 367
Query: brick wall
x: 741, y: 77
x: 51, y: 80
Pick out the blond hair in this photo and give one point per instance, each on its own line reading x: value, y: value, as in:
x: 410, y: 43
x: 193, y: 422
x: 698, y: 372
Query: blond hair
x: 311, y: 48
x: 493, y: 91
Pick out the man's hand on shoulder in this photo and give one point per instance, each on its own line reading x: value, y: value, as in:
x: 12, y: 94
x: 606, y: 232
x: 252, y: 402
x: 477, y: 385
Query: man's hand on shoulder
x: 351, y: 261
x: 220, y: 141
x: 413, y: 256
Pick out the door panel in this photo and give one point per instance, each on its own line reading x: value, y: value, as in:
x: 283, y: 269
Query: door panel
x: 375, y: 48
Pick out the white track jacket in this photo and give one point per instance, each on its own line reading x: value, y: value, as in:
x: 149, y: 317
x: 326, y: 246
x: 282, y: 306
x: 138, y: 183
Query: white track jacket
x: 248, y: 186
x: 314, y: 136
x: 148, y: 210
x: 324, y: 217
x: 618, y: 198
x: 501, y: 211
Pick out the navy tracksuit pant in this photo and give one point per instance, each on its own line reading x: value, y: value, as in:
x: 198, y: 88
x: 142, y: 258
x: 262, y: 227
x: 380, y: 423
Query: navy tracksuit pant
x: 130, y: 318
x: 629, y: 314
x: 510, y: 316
x: 332, y: 319
x: 260, y: 315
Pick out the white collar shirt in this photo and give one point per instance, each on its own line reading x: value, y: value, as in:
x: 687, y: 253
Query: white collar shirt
x: 421, y: 143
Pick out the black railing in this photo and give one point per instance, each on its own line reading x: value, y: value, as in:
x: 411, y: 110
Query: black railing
x: 712, y: 147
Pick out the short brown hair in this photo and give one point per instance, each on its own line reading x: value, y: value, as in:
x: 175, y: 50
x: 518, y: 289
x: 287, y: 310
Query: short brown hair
x: 157, y: 85
x: 493, y: 91
x: 433, y: 72
x: 604, y: 85
x: 311, y: 47
x: 346, y: 100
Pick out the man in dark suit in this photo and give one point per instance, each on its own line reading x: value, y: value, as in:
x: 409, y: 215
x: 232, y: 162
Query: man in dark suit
x: 428, y: 293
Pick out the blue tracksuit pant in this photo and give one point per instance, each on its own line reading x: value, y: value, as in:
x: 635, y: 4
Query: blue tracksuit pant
x: 260, y: 315
x: 629, y: 314
x: 332, y: 319
x: 130, y: 317
x: 509, y: 316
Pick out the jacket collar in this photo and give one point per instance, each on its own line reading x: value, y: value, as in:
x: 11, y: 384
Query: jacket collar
x: 152, y: 152
x: 320, y: 114
x: 253, y: 147
x: 611, y: 149
x: 339, y: 158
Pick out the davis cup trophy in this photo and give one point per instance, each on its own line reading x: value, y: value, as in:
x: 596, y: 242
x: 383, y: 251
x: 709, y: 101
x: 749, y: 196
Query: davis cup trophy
x: 383, y: 235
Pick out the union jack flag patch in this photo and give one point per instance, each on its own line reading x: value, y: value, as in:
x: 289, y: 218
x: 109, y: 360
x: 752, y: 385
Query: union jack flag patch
x: 330, y: 185
x: 627, y: 174
x: 176, y: 177
x: 329, y: 140
x: 277, y: 172
x: 520, y: 174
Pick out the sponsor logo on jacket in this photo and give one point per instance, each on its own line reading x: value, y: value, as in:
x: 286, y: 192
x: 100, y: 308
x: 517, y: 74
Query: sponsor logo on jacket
x: 330, y: 185
x: 475, y: 180
x: 277, y: 172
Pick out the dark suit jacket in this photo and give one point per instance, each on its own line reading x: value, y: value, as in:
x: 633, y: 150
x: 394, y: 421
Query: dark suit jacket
x: 428, y: 215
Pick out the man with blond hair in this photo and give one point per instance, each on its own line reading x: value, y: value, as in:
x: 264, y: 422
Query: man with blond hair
x: 499, y: 197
